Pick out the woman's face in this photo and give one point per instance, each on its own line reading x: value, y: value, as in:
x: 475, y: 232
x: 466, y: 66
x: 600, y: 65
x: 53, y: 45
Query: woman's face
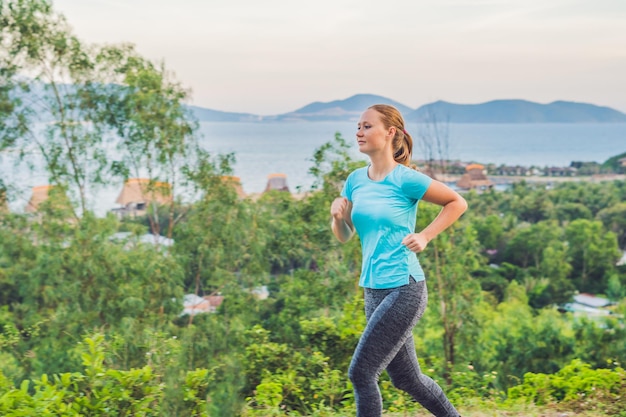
x: 371, y: 134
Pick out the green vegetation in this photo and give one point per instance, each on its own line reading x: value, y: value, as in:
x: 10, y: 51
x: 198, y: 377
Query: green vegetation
x: 92, y: 326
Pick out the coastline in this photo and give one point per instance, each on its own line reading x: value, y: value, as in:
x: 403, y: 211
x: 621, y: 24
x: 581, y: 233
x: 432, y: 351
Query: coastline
x: 510, y: 179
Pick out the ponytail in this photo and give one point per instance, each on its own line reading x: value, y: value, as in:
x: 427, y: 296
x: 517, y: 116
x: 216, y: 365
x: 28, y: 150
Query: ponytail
x: 403, y: 147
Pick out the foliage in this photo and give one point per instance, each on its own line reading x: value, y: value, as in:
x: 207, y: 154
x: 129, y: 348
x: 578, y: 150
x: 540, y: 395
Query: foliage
x: 101, y: 391
x: 91, y: 325
x: 575, y: 387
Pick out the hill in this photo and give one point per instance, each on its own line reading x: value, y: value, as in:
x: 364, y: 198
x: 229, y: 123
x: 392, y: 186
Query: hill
x: 517, y: 111
x: 495, y: 111
x: 339, y: 110
x: 208, y: 115
x: 349, y: 109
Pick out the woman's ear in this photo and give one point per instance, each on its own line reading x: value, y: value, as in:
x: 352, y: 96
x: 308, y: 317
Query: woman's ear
x: 391, y: 131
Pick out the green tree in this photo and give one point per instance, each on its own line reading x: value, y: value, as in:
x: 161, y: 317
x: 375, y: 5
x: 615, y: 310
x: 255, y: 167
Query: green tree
x: 52, y: 118
x: 449, y: 263
x: 614, y: 219
x: 155, y: 131
x: 592, y: 252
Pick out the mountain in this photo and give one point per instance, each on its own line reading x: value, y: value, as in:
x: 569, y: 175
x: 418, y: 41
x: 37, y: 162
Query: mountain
x: 516, y: 111
x: 496, y: 111
x: 338, y: 110
x: 208, y: 115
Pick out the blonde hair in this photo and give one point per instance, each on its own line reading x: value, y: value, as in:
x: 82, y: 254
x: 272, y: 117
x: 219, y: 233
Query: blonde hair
x: 402, y: 142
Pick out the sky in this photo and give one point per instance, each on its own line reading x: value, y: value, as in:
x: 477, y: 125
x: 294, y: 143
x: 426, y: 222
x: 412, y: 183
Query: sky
x: 269, y: 57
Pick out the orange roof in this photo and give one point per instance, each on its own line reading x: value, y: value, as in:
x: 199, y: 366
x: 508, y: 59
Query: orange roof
x: 474, y: 166
x: 277, y: 182
x: 142, y: 190
x: 235, y: 182
x: 40, y: 194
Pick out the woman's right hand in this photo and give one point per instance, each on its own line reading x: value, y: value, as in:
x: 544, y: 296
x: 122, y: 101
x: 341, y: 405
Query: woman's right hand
x: 338, y: 208
x: 341, y: 210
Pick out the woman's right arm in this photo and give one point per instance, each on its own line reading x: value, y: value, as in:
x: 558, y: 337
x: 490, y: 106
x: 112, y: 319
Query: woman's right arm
x: 341, y: 224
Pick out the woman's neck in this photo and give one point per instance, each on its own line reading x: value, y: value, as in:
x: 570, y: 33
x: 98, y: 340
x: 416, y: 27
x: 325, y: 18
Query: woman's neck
x: 380, y: 167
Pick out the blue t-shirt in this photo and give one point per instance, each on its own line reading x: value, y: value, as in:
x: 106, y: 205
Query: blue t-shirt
x: 383, y: 213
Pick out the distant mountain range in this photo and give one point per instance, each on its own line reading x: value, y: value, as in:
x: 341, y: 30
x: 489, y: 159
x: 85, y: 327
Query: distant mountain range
x: 496, y: 111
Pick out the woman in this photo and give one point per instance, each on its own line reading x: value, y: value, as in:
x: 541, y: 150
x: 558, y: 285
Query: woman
x: 379, y: 201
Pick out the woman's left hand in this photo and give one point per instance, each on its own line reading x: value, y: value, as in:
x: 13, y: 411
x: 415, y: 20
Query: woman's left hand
x: 415, y: 242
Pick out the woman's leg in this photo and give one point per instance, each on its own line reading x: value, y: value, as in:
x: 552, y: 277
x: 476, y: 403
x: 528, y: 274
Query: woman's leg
x: 391, y: 315
x: 405, y: 374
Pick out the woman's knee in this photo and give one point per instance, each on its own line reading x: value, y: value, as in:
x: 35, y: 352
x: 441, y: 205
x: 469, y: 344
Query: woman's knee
x: 359, y: 374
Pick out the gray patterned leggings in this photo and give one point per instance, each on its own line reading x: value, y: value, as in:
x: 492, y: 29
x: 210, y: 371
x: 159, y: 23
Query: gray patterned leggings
x: 387, y: 343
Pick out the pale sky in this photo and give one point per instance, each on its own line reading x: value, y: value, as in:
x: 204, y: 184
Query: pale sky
x: 274, y: 56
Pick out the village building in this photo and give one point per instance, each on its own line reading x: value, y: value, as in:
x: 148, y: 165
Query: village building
x: 138, y: 193
x: 475, y: 177
x: 194, y: 304
x: 277, y: 182
x: 235, y: 182
x: 43, y: 193
x: 560, y: 171
x: 588, y: 305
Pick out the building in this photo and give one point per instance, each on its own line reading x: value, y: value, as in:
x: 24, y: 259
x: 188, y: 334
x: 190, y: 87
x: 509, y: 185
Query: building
x: 277, y: 182
x: 235, y: 182
x: 194, y: 304
x: 588, y: 305
x: 475, y: 177
x: 138, y: 193
x: 43, y: 193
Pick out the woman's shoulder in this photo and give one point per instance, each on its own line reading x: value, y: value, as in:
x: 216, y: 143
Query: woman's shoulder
x: 404, y: 172
x: 358, y: 173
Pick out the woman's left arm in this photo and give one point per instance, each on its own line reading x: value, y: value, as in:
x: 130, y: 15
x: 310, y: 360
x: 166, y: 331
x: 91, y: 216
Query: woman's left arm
x: 453, y: 206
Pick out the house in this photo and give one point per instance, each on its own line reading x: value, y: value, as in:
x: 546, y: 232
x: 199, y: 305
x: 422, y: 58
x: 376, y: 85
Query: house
x: 588, y: 305
x: 277, y: 182
x: 131, y: 240
x: 234, y: 182
x: 261, y: 292
x: 43, y: 193
x: 194, y: 304
x: 475, y: 177
x: 560, y: 171
x: 138, y: 193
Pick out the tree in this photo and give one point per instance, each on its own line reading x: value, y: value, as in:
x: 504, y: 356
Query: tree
x: 51, y: 97
x: 155, y: 131
x: 614, y: 219
x: 449, y: 262
x: 592, y: 252
x: 66, y: 103
x: 434, y: 139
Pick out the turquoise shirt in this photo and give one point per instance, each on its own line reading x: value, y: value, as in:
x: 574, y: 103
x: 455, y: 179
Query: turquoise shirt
x: 383, y: 213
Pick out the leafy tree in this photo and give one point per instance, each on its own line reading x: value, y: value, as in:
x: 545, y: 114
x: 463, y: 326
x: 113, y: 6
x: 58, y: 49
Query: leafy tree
x: 592, y: 252
x: 52, y: 116
x: 449, y: 262
x: 614, y: 219
x: 155, y: 131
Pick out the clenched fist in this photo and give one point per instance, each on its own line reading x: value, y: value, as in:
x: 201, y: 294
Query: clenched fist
x: 339, y: 208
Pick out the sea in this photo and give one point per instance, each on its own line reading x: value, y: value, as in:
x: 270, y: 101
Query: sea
x: 264, y: 148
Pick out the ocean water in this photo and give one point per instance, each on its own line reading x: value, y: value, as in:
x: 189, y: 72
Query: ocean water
x: 262, y: 149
